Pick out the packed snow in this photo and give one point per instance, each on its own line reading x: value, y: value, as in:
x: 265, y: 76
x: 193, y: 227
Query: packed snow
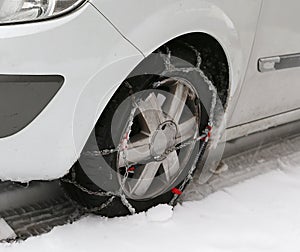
x: 259, y: 214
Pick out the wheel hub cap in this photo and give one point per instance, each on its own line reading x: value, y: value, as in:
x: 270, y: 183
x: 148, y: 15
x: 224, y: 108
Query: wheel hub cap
x: 163, y: 139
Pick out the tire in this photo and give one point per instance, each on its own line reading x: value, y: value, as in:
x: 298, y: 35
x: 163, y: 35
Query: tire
x: 97, y: 173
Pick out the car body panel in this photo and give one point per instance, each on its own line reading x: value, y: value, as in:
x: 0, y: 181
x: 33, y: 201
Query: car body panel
x: 278, y: 33
x: 77, y: 47
x: 153, y: 23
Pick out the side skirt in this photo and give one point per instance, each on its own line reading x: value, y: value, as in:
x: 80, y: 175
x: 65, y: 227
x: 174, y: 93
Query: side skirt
x: 248, y: 136
x: 262, y: 124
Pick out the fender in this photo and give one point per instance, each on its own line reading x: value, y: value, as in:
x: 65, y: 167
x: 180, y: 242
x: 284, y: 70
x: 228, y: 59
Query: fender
x: 156, y: 22
x: 89, y: 107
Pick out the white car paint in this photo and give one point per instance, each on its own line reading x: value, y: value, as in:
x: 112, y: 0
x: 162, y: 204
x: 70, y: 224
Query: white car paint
x: 79, y: 47
x: 153, y: 23
x: 277, y: 92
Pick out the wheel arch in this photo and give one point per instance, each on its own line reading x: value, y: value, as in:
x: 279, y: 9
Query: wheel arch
x: 154, y: 23
x: 89, y: 108
x: 214, y: 61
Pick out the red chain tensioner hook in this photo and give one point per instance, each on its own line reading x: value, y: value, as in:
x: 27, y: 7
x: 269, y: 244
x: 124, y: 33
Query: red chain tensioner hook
x: 176, y: 191
x: 131, y: 169
x: 208, y: 135
x: 209, y: 127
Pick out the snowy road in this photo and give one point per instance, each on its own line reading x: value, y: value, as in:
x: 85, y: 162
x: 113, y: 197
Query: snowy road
x: 260, y: 214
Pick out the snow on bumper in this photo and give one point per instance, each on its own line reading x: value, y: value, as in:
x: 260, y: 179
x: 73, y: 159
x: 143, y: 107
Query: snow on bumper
x: 88, y: 52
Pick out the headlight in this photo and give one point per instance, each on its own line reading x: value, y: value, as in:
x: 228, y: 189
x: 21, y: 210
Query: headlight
x: 27, y: 10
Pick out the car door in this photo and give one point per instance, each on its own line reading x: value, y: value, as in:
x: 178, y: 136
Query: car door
x: 272, y: 81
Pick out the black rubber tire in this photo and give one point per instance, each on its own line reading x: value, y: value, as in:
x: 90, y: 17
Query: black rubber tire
x: 93, y: 166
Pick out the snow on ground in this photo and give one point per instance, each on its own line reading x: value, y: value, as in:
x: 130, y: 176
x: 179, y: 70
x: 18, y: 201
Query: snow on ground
x: 260, y: 214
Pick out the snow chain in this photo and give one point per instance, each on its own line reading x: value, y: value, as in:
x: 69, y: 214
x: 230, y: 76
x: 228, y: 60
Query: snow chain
x: 203, y: 138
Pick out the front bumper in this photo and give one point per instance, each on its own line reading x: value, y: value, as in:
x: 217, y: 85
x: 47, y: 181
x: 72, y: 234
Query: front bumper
x: 92, y: 57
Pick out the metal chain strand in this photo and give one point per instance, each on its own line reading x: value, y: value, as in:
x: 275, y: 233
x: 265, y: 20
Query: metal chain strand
x: 104, y: 205
x: 126, y: 203
x: 111, y: 196
x: 87, y: 191
x: 204, y: 138
x: 124, y: 141
x: 207, y: 132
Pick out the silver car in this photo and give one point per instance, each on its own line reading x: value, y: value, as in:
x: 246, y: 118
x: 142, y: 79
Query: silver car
x: 123, y: 100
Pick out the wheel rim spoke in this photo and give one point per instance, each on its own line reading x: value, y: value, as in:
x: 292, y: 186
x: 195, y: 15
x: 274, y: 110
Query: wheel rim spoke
x: 186, y: 130
x: 176, y: 104
x: 146, y: 178
x: 138, y: 140
x: 134, y: 153
x: 151, y: 112
x: 171, y: 165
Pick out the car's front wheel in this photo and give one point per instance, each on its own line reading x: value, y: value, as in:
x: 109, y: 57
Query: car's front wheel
x: 148, y: 141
